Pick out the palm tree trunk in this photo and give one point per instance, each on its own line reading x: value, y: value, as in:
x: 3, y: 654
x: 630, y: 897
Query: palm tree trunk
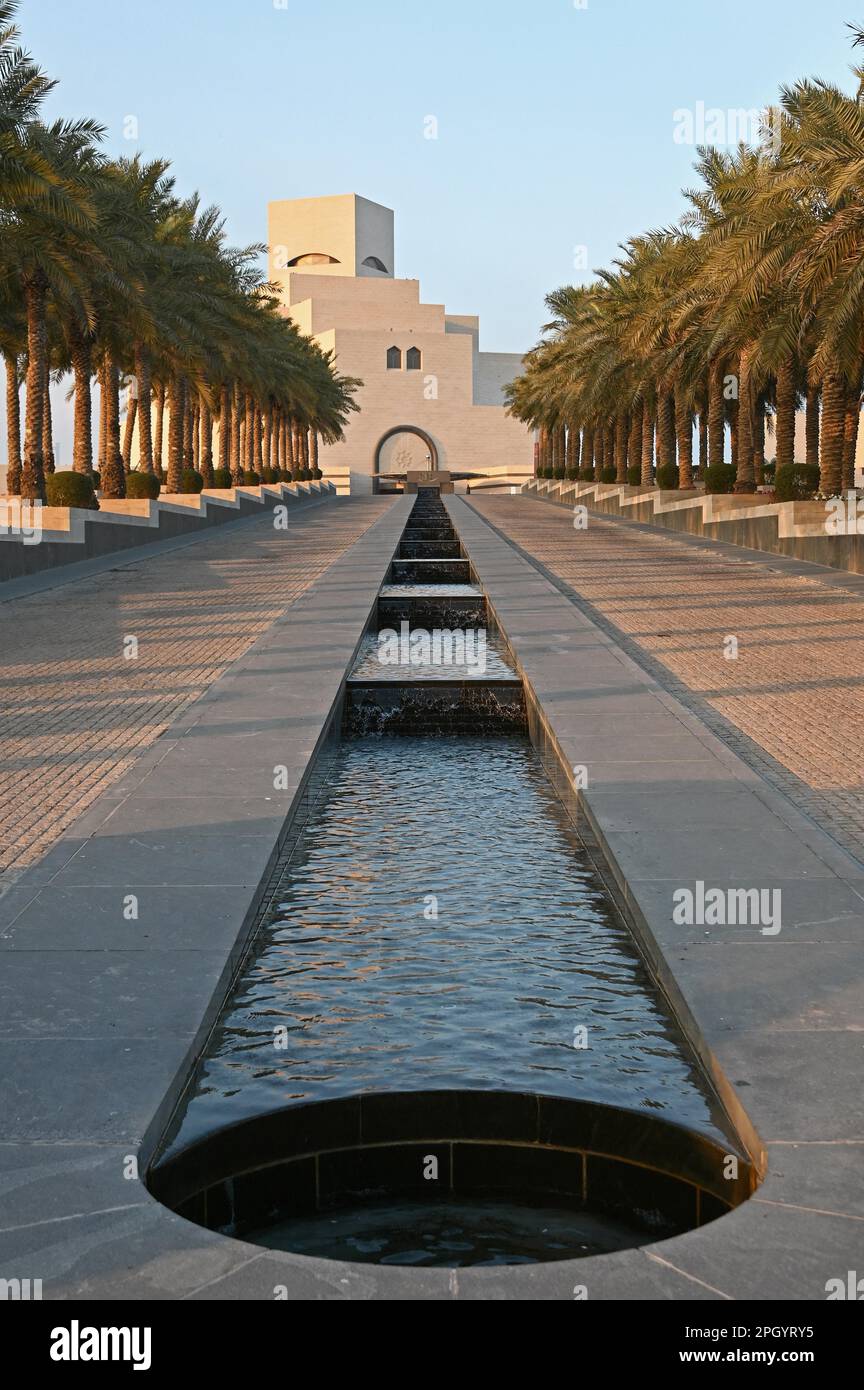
x: 176, y: 435
x: 13, y: 429
x: 665, y: 429
x: 812, y: 424
x: 160, y: 425
x: 205, y: 461
x: 225, y: 428
x: 129, y: 430
x: 759, y: 441
x: 702, y: 461
x: 32, y: 469
x: 608, y: 447
x: 313, y: 450
x: 292, y: 448
x: 850, y: 436
x: 570, y: 472
x: 634, y: 447
x: 82, y: 370
x: 48, y: 427
x: 259, y: 431
x: 716, y: 415
x: 745, y: 478
x: 284, y: 444
x: 103, y: 418
x: 113, y: 475
x: 784, y: 424
x: 236, y: 438
x: 684, y: 436
x: 647, y: 442
x: 188, y: 426
x: 297, y: 462
x: 145, y: 398
x: 622, y: 431
x: 834, y: 398
x: 268, y: 439
x: 250, y: 434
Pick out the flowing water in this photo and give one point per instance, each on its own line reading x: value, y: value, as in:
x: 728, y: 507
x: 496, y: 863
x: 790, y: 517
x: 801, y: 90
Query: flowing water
x: 439, y: 925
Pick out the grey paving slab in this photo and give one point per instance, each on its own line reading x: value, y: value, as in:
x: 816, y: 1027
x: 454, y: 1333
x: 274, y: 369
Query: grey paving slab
x: 102, y: 994
x: 92, y: 919
x: 106, y: 1091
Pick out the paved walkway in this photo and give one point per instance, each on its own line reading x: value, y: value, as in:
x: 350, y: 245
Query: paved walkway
x: 75, y: 712
x: 791, y: 705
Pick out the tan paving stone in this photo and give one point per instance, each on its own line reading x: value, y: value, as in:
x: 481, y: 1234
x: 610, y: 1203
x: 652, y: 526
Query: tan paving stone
x: 792, y: 704
x: 75, y: 714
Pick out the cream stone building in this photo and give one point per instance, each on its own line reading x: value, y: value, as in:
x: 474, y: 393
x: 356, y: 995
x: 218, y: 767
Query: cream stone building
x: 430, y: 398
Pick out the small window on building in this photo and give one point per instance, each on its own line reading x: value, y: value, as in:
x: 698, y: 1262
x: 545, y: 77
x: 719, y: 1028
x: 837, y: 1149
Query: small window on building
x: 374, y: 264
x: 394, y: 359
x: 414, y: 359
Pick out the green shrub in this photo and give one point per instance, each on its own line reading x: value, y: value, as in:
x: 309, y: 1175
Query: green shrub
x: 251, y: 479
x: 68, y: 489
x: 668, y: 476
x: 608, y: 475
x: 769, y: 471
x: 796, y: 482
x: 586, y: 474
x: 558, y: 472
x: 97, y: 481
x: 222, y: 477
x: 634, y: 475
x: 190, y: 481
x: 317, y: 474
x: 720, y: 477
x: 143, y: 485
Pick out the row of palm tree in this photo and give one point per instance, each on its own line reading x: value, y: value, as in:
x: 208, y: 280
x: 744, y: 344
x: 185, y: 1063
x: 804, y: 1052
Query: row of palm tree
x: 722, y: 327
x: 106, y: 274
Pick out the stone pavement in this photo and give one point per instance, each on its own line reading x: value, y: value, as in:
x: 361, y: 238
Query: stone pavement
x: 791, y: 705
x: 76, y: 710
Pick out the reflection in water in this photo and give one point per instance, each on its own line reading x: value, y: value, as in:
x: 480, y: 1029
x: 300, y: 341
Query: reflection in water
x: 439, y: 925
x: 451, y: 1234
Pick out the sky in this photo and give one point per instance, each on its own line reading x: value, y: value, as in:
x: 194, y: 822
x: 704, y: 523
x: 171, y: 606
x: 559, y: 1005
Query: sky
x: 561, y: 126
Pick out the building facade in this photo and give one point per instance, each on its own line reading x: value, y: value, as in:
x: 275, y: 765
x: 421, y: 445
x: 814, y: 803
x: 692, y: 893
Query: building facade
x: 430, y: 398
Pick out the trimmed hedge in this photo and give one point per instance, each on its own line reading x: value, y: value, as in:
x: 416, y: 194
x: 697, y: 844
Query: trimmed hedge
x: 796, y: 482
x: 190, y: 481
x: 251, y: 479
x: 634, y: 475
x: 668, y: 477
x: 222, y: 477
x: 608, y: 475
x: 145, y: 485
x: 68, y: 489
x: 317, y: 474
x: 586, y: 475
x: 720, y: 477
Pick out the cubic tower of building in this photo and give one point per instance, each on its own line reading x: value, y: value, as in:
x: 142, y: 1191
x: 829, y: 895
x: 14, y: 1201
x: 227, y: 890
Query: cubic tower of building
x: 430, y: 398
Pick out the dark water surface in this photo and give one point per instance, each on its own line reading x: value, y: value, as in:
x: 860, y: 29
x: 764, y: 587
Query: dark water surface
x: 449, y: 1234
x: 356, y: 986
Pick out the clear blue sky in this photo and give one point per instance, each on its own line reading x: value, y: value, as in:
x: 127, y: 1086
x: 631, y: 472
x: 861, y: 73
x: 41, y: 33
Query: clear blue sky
x: 555, y: 122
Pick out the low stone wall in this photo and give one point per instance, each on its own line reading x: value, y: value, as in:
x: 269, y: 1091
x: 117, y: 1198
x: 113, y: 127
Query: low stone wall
x: 795, y: 529
x: 70, y: 535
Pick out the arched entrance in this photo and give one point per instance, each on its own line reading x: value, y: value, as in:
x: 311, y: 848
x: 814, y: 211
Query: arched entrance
x: 422, y: 457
